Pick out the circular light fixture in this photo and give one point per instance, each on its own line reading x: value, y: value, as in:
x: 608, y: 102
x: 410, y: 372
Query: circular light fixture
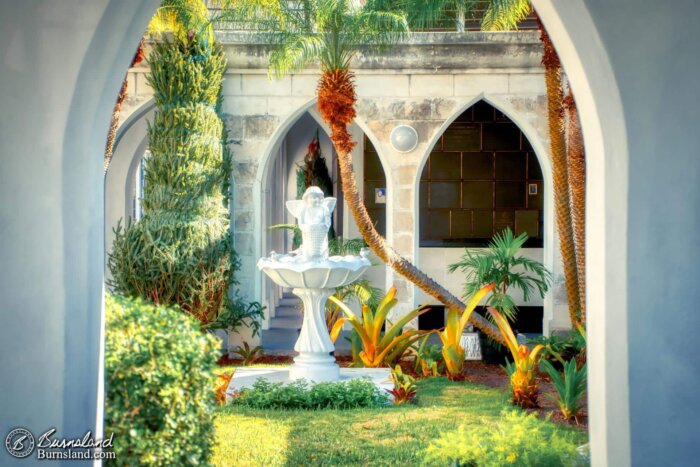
x: 404, y: 138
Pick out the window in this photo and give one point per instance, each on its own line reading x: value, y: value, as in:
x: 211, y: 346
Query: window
x: 481, y: 177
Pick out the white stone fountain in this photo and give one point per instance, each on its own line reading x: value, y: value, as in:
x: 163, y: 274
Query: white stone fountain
x: 313, y: 275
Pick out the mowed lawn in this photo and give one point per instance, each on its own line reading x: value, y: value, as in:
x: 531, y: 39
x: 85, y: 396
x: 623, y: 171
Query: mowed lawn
x: 372, y: 437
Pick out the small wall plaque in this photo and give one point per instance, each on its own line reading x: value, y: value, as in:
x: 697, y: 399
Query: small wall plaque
x: 380, y: 196
x: 532, y: 189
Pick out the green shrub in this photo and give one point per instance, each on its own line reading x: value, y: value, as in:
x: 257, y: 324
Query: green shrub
x: 180, y: 252
x: 299, y: 395
x: 159, y: 384
x: 516, y: 439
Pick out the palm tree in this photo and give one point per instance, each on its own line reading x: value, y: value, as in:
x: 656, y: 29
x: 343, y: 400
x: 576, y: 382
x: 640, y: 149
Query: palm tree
x: 331, y: 32
x: 576, y: 160
x: 504, y: 15
x: 502, y: 266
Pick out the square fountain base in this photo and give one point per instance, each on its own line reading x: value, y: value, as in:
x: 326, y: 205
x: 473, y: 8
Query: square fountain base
x: 245, y: 377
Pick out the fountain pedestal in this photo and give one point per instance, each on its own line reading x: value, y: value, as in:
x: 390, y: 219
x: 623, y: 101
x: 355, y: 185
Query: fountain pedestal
x: 314, y: 362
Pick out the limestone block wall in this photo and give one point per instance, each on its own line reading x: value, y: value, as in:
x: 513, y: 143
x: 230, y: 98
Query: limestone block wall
x: 425, y: 82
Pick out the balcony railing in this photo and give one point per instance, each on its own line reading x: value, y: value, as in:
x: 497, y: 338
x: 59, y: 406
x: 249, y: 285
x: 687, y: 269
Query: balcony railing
x: 453, y: 21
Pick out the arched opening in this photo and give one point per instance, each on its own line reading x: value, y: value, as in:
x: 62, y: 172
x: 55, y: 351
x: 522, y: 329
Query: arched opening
x: 73, y: 179
x: 285, y: 180
x: 487, y: 169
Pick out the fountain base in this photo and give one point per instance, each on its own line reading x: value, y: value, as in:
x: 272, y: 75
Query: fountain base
x: 314, y: 367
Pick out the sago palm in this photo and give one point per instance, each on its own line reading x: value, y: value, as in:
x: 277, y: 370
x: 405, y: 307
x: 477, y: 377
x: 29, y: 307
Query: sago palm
x: 331, y: 32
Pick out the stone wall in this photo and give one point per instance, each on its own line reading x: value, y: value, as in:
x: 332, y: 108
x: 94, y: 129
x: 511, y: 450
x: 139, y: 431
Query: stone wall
x: 425, y: 82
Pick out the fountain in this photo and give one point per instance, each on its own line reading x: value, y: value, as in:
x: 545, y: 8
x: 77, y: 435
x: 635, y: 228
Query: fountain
x: 313, y: 275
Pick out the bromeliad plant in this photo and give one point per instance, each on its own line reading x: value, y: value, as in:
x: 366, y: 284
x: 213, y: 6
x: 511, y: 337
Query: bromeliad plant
x: 570, y: 389
x: 404, y: 390
x: 428, y: 360
x: 379, y: 349
x: 222, y: 383
x: 248, y: 354
x: 451, y: 335
x: 523, y: 378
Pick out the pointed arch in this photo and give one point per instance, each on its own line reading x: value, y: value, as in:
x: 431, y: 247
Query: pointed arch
x: 542, y: 154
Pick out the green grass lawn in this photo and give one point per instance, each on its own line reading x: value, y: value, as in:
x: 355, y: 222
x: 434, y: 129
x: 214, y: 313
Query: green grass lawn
x: 383, y: 436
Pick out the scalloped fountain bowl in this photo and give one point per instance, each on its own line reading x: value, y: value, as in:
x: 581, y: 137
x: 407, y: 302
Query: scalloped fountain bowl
x: 336, y: 271
x: 314, y: 280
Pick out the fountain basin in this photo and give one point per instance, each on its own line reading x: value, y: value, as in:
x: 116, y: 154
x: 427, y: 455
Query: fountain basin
x: 336, y: 271
x: 314, y: 281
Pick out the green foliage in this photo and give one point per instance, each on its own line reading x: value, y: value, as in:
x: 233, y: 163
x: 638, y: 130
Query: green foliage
x: 404, y: 390
x: 159, y: 370
x: 514, y: 439
x: 299, y: 395
x: 248, y: 354
x: 331, y: 32
x: 558, y: 349
x: 503, y: 266
x: 180, y: 252
x: 570, y: 389
x: 428, y: 360
x: 504, y: 15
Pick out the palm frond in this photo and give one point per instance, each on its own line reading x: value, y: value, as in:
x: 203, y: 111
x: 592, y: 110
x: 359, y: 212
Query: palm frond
x: 504, y: 15
x: 295, y: 51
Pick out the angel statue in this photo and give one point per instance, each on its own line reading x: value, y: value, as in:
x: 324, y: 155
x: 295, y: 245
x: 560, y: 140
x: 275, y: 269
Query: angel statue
x: 313, y: 212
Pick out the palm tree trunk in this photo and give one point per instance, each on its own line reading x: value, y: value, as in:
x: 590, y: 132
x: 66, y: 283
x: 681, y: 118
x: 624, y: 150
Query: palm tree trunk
x: 555, y: 114
x: 114, y: 122
x: 576, y: 158
x: 336, y: 103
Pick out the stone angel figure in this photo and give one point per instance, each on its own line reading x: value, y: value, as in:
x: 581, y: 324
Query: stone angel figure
x: 313, y: 212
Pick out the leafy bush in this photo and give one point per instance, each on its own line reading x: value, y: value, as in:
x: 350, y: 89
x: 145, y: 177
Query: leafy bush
x: 516, y: 439
x: 570, y: 389
x: 159, y: 372
x: 299, y: 395
x: 180, y: 252
x: 503, y: 265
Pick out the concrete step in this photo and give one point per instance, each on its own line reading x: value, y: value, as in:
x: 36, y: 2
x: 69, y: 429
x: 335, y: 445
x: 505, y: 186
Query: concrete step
x: 276, y: 340
x: 285, y: 323
x: 287, y: 312
x: 293, y: 301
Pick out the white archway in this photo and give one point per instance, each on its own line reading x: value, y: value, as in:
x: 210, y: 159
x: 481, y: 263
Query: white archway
x: 535, y: 140
x: 594, y: 84
x: 59, y: 180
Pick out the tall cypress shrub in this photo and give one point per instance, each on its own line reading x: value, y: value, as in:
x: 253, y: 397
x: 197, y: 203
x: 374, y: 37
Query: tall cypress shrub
x: 180, y: 251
